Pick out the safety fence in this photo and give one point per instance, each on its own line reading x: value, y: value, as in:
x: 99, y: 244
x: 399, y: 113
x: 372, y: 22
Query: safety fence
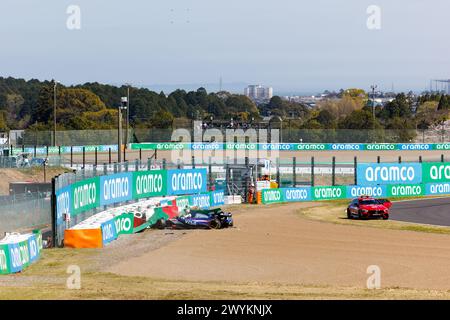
x: 18, y: 251
x: 293, y: 146
x: 24, y: 211
x: 383, y: 180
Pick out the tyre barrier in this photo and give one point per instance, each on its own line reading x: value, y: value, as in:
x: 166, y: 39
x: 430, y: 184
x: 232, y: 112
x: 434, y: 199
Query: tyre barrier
x: 106, y: 226
x: 18, y: 251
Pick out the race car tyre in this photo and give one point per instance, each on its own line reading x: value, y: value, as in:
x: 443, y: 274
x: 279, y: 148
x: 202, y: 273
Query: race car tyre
x: 161, y: 224
x: 349, y: 215
x: 359, y: 214
x: 215, y: 224
x: 385, y: 217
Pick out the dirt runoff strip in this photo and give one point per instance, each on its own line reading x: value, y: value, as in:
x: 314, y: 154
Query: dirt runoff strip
x: 274, y: 244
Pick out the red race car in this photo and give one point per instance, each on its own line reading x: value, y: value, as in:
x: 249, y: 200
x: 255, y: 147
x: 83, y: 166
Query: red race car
x: 367, y: 207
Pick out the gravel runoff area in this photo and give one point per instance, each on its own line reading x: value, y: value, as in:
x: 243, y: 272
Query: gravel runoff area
x: 273, y: 244
x: 273, y: 252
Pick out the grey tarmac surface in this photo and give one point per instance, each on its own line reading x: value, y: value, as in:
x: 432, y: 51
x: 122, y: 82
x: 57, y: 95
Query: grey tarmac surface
x: 429, y: 211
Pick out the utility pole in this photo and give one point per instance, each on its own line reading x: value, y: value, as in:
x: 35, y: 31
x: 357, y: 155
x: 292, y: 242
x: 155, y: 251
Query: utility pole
x: 123, y: 106
x: 373, y: 87
x: 127, y: 125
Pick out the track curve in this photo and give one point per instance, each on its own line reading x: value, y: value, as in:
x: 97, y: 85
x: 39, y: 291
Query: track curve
x: 429, y: 211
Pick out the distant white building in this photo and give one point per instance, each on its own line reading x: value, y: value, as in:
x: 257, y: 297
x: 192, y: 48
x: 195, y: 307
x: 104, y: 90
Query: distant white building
x: 258, y: 92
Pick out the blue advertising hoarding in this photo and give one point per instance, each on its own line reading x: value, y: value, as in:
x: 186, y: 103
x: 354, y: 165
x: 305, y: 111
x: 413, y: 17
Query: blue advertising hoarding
x: 202, y: 201
x: 296, y: 194
x: 115, y: 188
x: 63, y: 203
x: 372, y: 191
x: 109, y: 232
x: 437, y: 188
x: 217, y: 198
x: 389, y: 173
x: 186, y: 181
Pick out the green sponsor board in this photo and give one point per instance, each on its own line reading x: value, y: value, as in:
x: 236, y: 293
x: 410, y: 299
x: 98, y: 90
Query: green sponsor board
x: 4, y: 259
x: 149, y: 183
x: 405, y: 190
x: 182, y: 203
x: 441, y: 146
x: 38, y: 234
x: 329, y: 193
x: 85, y: 195
x: 124, y: 223
x: 158, y: 214
x: 272, y: 196
x: 435, y: 172
x: 24, y: 254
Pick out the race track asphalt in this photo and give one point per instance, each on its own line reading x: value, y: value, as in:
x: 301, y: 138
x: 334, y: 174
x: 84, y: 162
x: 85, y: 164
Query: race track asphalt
x: 430, y: 211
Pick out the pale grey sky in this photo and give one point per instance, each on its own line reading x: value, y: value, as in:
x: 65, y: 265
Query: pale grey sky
x: 292, y: 45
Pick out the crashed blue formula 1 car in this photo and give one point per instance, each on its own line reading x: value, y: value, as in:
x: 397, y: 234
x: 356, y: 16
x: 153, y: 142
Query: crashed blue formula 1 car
x: 202, y: 219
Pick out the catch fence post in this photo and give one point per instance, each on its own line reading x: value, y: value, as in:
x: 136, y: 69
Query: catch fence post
x: 95, y: 156
x: 442, y: 158
x: 71, y: 156
x: 35, y: 151
x: 420, y: 159
x: 53, y: 212
x: 210, y: 174
x: 164, y: 163
x: 399, y: 159
x: 294, y: 172
x: 140, y: 154
x: 278, y: 173
x: 109, y: 154
x: 193, y: 162
x: 312, y: 171
x: 333, y: 172
x: 136, y: 165
x: 355, y: 170
x: 247, y: 180
x: 149, y: 164
x: 378, y: 159
x: 84, y: 157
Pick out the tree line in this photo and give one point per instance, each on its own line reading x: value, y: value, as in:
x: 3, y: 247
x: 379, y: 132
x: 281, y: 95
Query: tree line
x: 29, y: 105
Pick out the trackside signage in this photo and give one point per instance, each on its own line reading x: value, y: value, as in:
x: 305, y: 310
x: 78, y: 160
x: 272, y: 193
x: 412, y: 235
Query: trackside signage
x: 329, y: 193
x: 272, y: 196
x: 389, y: 173
x: 372, y: 191
x: 437, y: 188
x: 408, y: 190
x: 217, y: 198
x: 4, y: 259
x: 296, y: 194
x: 63, y: 203
x: 85, y: 195
x: 201, y: 201
x: 149, y: 183
x: 115, y: 188
x: 109, y: 232
x: 187, y: 181
x: 436, y: 172
x: 124, y: 223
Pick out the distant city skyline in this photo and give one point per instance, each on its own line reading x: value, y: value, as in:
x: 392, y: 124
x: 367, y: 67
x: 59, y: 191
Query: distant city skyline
x: 292, y: 46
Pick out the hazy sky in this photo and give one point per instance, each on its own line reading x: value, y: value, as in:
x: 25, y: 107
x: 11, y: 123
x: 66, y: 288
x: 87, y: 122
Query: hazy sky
x: 292, y: 45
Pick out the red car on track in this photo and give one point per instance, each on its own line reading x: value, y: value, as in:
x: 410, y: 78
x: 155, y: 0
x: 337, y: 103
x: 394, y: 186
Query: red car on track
x: 367, y: 207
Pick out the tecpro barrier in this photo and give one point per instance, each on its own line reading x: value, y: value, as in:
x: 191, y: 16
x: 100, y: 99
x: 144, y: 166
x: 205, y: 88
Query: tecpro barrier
x: 105, y: 227
x: 293, y: 146
x: 18, y: 251
x: 89, y: 194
